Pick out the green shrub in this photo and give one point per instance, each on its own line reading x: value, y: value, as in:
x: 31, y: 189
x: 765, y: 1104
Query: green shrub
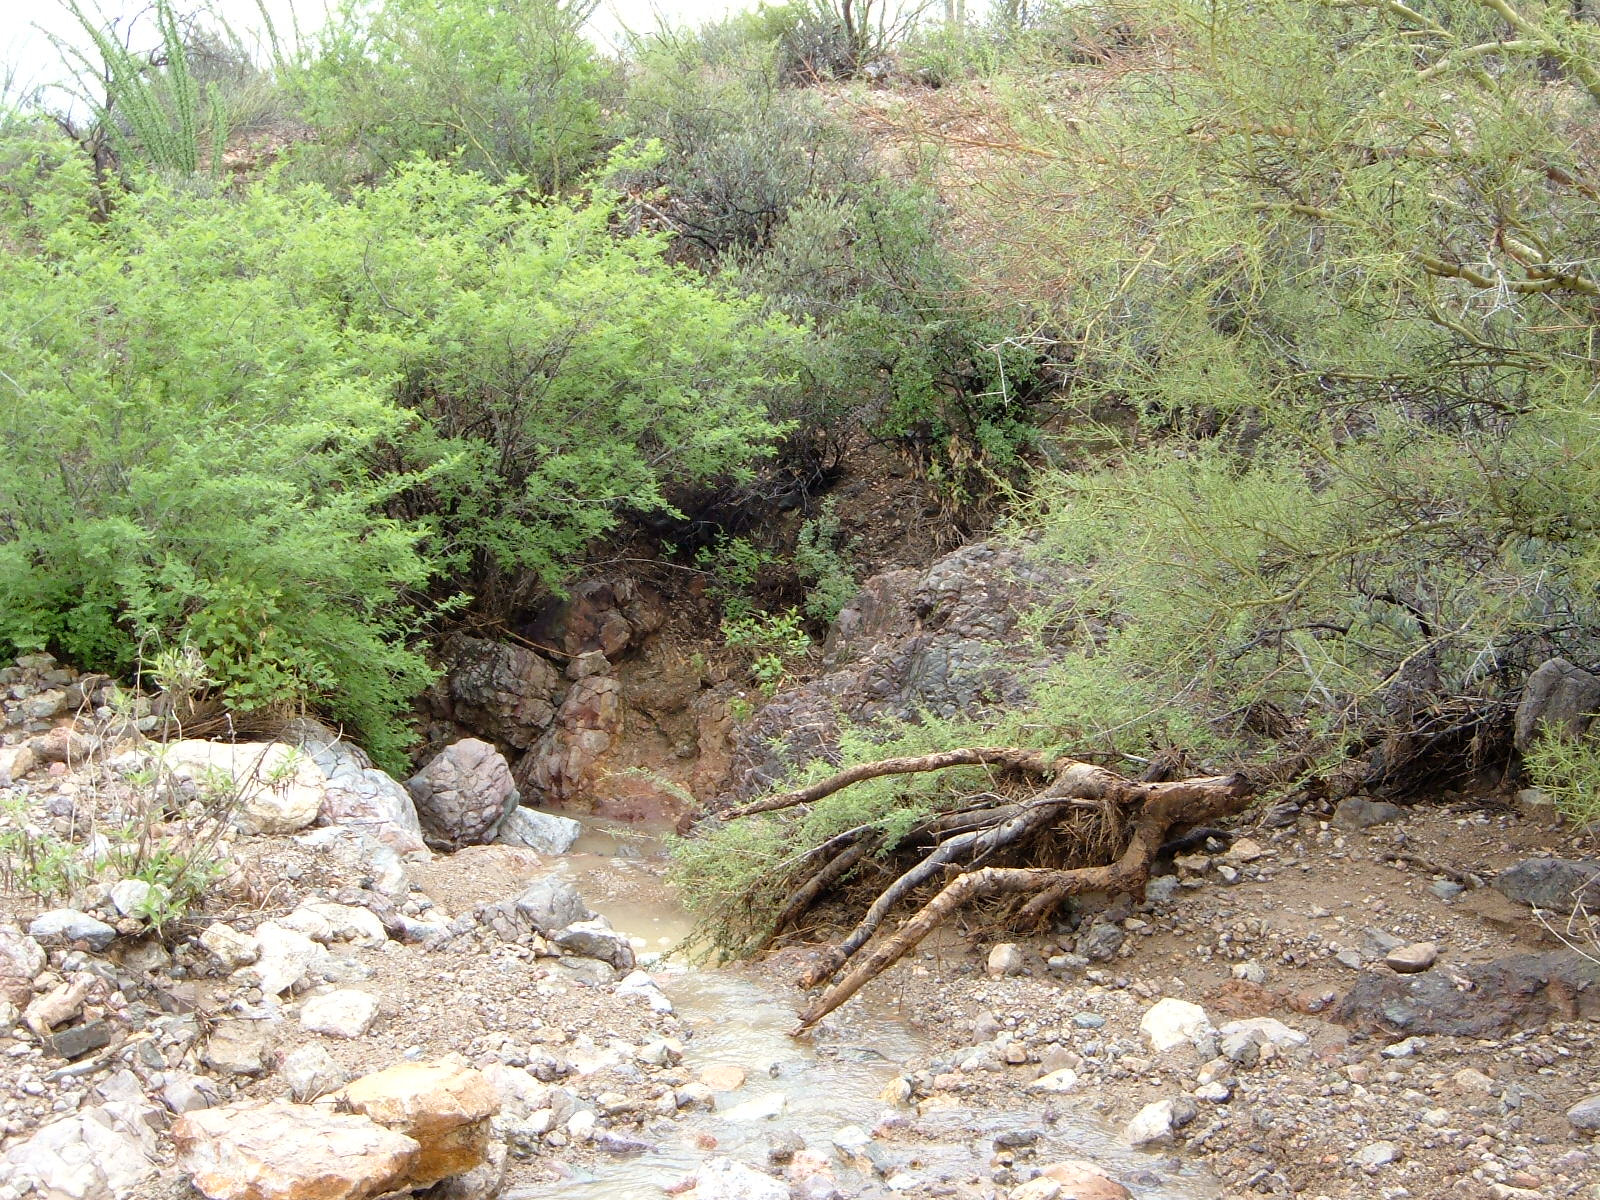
x: 903, y: 349
x: 509, y: 89
x: 819, y: 561
x: 1568, y: 771
x: 739, y: 150
x: 262, y: 427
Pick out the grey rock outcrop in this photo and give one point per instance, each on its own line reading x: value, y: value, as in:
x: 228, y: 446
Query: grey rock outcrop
x: 1552, y: 883
x: 551, y: 904
x: 1558, y: 698
x: 504, y: 691
x: 562, y: 765
x: 941, y: 642
x: 464, y: 793
x: 544, y: 832
x: 1489, y: 999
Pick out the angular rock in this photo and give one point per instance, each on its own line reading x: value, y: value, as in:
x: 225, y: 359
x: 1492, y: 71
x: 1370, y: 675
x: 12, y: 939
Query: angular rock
x: 596, y: 939
x: 1479, y: 1000
x: 325, y: 921
x: 239, y: 1047
x: 284, y: 961
x: 1084, y: 1181
x: 344, y: 1013
x: 444, y: 1108
x: 229, y: 947
x: 275, y: 788
x: 1171, y: 1022
x: 137, y: 898
x: 551, y: 904
x: 941, y: 641
x: 541, y: 831
x: 1558, y: 698
x: 57, y: 1006
x: 183, y: 1092
x: 1408, y: 960
x: 1584, y: 1116
x: 66, y: 926
x: 76, y: 1041
x: 560, y: 770
x: 21, y: 959
x: 279, y: 1151
x: 724, y: 1179
x: 504, y: 691
x: 1358, y: 812
x: 1555, y: 884
x: 464, y: 793
x: 1159, y: 1120
x: 1269, y: 1030
x: 1064, y: 1080
x: 311, y: 1072
x: 1376, y: 1154
x: 106, y: 1152
x: 358, y: 795
x: 15, y: 762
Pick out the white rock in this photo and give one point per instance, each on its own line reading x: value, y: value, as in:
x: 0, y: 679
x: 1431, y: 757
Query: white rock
x: 1170, y: 1022
x: 230, y: 947
x: 1271, y: 1030
x: 275, y: 788
x: 358, y: 795
x: 1152, y: 1123
x: 1064, y: 1080
x: 1376, y: 1154
x: 764, y: 1108
x: 1005, y: 958
x: 136, y: 898
x: 540, y: 831
x: 345, y: 1013
x: 279, y: 1151
x: 102, y: 1153
x: 724, y: 1179
x: 639, y: 983
x: 311, y: 1072
x: 285, y: 958
x: 324, y: 921
x: 15, y: 762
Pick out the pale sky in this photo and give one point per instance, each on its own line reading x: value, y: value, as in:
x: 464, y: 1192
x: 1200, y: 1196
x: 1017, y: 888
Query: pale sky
x: 25, y: 47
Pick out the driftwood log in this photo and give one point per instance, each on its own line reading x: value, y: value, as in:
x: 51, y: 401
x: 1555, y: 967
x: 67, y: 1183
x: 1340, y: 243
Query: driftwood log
x: 1100, y: 830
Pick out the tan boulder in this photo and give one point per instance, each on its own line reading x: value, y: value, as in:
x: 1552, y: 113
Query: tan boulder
x: 445, y: 1108
x: 280, y: 1151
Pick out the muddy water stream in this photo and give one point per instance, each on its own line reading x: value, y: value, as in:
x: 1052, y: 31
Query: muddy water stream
x: 825, y: 1082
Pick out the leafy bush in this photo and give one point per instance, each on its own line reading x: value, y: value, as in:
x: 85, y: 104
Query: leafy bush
x: 509, y: 89
x: 820, y: 562
x: 262, y: 427
x: 902, y: 350
x: 739, y: 150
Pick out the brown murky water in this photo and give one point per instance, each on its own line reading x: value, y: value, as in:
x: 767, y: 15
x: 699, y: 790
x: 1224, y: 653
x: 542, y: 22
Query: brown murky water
x: 823, y: 1083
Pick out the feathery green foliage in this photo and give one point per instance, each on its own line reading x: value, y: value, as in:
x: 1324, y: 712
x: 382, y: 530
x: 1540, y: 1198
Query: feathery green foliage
x: 508, y: 89
x: 264, y: 425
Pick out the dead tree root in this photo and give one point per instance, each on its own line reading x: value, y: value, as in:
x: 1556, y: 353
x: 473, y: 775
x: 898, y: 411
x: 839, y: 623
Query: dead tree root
x: 1000, y: 850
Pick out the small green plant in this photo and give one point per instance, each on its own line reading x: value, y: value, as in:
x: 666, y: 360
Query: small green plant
x: 1568, y: 771
x: 774, y: 640
x: 734, y: 565
x: 820, y: 560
